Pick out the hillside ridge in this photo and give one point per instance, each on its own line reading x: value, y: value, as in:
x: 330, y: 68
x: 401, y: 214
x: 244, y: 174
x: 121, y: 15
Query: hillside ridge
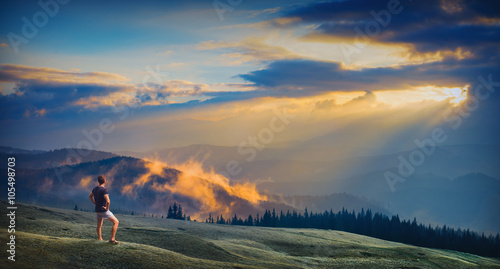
x: 60, y: 237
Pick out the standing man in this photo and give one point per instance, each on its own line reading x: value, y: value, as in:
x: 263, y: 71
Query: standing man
x: 100, y: 198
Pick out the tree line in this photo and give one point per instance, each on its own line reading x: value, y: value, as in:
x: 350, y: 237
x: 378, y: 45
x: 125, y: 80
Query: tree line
x: 376, y: 225
x: 175, y: 212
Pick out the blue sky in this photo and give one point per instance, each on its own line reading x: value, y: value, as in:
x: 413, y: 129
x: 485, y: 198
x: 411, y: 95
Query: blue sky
x: 214, y: 71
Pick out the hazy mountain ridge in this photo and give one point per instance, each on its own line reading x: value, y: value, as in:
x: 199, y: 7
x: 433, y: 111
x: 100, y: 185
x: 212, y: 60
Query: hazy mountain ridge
x: 335, y: 202
x: 54, y: 158
x: 44, y: 186
x: 326, y: 163
x: 466, y: 201
x: 74, y: 182
x: 11, y: 150
x: 465, y: 175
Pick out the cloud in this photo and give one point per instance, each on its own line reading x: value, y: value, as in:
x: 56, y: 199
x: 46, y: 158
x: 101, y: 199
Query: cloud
x: 428, y: 25
x: 39, y: 92
x: 359, y: 103
x: 332, y: 76
x: 248, y: 50
x: 213, y: 192
x: 281, y: 22
x: 16, y: 73
x: 35, y: 112
x: 167, y: 53
x: 265, y: 11
x: 324, y: 104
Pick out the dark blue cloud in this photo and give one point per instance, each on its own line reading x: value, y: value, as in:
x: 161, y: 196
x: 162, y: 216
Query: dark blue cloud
x: 450, y: 37
x: 330, y: 76
x: 429, y: 25
x: 51, y: 97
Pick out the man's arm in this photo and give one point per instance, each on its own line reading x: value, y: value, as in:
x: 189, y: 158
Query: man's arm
x: 91, y: 197
x: 108, y: 202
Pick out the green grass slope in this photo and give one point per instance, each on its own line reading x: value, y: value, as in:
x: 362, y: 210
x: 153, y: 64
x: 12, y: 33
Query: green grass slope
x: 58, y: 238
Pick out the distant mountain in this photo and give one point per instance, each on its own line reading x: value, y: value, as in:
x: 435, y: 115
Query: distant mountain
x: 324, y: 164
x: 68, y: 185
x: 469, y: 201
x: 10, y: 150
x: 456, y: 185
x: 54, y: 158
x: 334, y: 201
x: 220, y: 154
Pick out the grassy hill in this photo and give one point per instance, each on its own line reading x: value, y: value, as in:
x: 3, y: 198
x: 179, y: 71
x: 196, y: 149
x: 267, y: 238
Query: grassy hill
x: 59, y: 238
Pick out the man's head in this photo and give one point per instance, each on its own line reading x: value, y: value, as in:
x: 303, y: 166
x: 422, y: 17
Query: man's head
x: 101, y: 179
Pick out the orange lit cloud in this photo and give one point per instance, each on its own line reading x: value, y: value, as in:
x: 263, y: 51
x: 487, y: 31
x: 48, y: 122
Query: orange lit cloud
x: 35, y: 113
x: 46, y: 186
x: 415, y: 57
x: 206, y: 187
x: 55, y: 90
x: 359, y: 53
x: 85, y: 182
x: 153, y: 168
x: 158, y: 94
x: 14, y: 73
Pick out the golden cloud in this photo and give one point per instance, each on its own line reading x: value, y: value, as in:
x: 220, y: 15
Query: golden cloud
x: 249, y: 50
x: 15, y: 73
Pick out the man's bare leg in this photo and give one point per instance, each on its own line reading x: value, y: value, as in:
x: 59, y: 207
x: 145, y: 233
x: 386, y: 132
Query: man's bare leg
x: 115, y: 222
x: 99, y: 225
